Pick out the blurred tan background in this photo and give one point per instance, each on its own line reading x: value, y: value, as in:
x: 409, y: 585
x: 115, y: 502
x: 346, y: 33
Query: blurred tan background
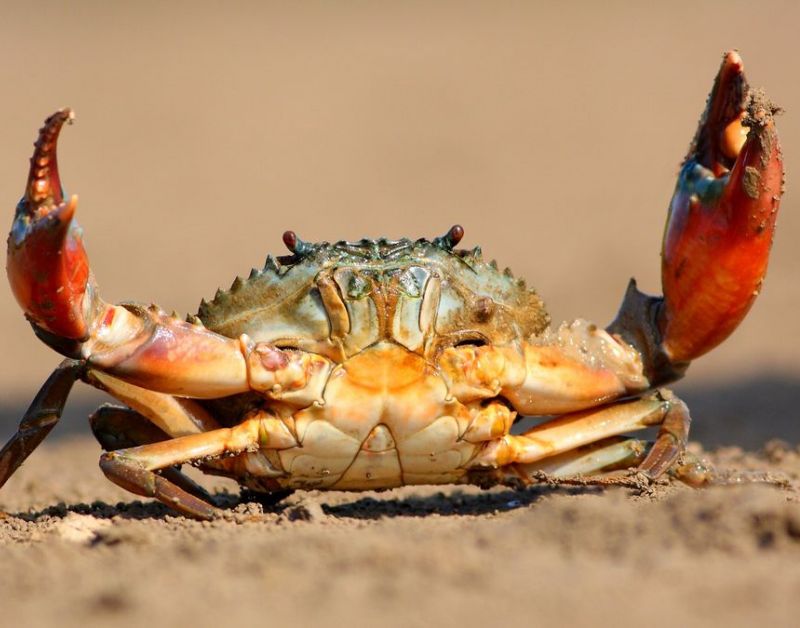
x: 551, y: 131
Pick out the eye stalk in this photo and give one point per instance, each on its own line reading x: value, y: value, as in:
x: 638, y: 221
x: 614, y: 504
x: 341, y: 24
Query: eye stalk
x: 450, y: 239
x: 295, y: 244
x: 290, y: 240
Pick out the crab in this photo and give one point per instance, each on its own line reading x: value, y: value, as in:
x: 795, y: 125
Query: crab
x: 380, y: 363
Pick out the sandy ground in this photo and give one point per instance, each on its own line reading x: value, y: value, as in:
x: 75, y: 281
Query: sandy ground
x: 76, y: 552
x: 553, y: 135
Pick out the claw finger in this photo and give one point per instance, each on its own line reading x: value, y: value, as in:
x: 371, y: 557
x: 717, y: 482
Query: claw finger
x: 720, y: 134
x: 44, y: 184
x: 722, y: 217
x: 47, y: 265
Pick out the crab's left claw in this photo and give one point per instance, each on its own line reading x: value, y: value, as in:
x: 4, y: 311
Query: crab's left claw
x: 721, y: 219
x: 47, y: 265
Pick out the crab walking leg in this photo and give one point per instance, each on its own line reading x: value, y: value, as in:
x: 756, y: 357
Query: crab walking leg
x: 134, y: 468
x: 673, y: 435
x: 116, y: 427
x: 609, y: 454
x: 172, y: 415
x: 574, y: 430
x: 41, y: 417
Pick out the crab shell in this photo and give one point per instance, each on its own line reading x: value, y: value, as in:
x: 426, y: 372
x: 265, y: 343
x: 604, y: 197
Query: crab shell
x: 338, y: 299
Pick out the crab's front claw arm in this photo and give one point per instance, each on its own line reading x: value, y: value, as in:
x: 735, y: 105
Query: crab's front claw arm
x: 50, y: 276
x: 721, y: 219
x: 47, y: 265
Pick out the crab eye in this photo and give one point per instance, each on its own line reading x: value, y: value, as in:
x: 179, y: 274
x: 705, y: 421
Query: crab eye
x: 285, y: 345
x: 471, y: 342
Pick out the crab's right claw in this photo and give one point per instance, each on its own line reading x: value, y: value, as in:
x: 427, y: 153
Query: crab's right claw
x: 47, y: 265
x: 721, y: 219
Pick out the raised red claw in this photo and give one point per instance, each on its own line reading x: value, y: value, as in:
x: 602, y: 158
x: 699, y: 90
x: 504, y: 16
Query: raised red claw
x: 722, y: 218
x: 46, y: 264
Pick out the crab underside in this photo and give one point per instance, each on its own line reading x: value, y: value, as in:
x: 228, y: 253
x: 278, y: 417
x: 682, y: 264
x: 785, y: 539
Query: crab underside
x: 372, y: 364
